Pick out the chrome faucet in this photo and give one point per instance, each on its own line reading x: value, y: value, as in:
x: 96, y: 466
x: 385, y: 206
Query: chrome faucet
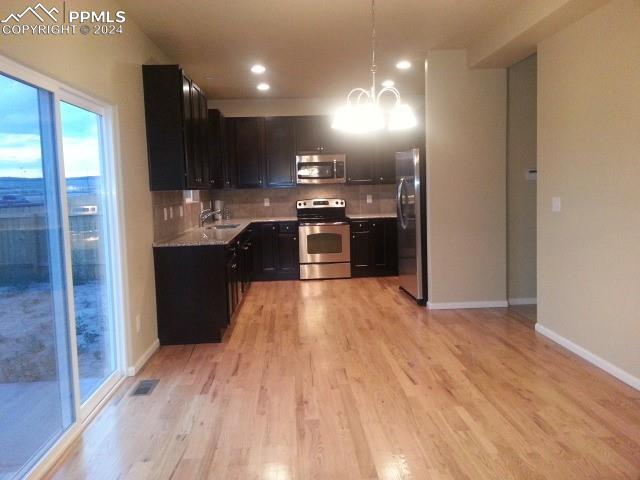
x: 205, y: 214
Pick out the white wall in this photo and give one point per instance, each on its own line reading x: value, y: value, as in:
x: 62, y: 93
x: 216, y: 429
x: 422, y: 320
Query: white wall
x: 589, y: 155
x: 109, y: 68
x: 466, y: 181
x: 521, y: 192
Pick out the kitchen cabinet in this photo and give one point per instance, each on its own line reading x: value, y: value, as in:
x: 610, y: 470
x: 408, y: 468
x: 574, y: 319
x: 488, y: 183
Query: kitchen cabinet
x: 361, y: 152
x: 276, y: 251
x: 191, y: 294
x: 371, y: 158
x: 279, y: 152
x: 288, y: 256
x: 217, y: 154
x: 314, y: 135
x: 248, y: 151
x: 176, y: 123
x: 374, y: 249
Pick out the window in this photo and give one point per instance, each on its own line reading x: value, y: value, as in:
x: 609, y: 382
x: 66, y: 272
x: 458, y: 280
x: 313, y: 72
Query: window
x: 60, y: 284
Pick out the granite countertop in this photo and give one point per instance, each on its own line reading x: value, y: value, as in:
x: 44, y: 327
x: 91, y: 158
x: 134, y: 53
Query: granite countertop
x: 364, y: 216
x: 209, y: 235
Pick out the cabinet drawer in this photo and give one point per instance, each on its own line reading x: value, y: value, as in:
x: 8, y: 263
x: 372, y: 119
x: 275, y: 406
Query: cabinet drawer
x: 360, y: 225
x: 289, y: 227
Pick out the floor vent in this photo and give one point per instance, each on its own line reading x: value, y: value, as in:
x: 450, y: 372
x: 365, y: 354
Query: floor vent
x: 145, y: 387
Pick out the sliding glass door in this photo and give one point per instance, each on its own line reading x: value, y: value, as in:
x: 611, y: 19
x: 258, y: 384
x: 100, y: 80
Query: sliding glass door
x: 86, y: 207
x: 59, y: 272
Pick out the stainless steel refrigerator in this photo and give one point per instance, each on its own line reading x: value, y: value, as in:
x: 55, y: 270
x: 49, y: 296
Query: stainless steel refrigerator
x: 410, y: 205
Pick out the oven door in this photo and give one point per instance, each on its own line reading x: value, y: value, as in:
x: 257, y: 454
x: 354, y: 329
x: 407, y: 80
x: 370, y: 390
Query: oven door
x: 324, y: 242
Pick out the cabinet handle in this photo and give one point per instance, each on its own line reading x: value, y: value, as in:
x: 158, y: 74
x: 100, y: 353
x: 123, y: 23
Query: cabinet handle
x: 354, y: 237
x: 374, y: 224
x: 381, y: 179
x: 294, y: 238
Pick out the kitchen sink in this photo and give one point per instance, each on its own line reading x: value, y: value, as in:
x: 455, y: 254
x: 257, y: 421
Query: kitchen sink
x: 224, y: 227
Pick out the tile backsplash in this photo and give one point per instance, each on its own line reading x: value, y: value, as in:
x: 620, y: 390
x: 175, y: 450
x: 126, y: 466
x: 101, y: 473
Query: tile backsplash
x: 249, y: 203
x: 175, y: 224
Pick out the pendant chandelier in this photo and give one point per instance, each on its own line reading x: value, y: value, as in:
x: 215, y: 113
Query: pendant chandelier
x: 363, y: 112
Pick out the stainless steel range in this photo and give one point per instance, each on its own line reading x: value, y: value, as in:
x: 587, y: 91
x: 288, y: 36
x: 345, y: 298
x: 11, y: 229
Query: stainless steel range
x: 324, y: 231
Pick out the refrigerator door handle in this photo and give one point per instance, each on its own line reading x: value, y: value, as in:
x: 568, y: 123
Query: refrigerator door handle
x: 401, y: 215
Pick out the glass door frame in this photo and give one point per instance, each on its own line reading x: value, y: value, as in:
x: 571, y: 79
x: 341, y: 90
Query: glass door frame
x: 111, y: 167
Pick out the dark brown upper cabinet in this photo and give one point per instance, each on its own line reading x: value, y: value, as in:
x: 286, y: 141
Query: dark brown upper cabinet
x: 361, y: 151
x: 279, y: 152
x: 314, y: 135
x: 177, y: 130
x: 248, y: 151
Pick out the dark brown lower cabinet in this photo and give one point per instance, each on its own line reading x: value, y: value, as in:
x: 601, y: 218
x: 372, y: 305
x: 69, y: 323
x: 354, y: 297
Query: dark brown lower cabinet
x: 276, y: 247
x: 199, y: 289
x: 191, y: 300
x: 374, y: 247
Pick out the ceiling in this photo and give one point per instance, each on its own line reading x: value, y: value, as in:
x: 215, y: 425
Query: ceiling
x: 311, y: 48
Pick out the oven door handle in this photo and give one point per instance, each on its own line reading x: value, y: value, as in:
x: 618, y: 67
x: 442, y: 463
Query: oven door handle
x: 311, y: 224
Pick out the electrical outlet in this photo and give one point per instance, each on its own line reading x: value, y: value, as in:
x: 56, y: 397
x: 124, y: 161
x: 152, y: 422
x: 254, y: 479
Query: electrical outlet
x: 267, y: 203
x: 181, y: 211
x: 210, y: 205
x: 170, y: 212
x: 556, y: 204
x: 369, y: 198
x: 201, y: 206
x: 138, y: 323
x: 166, y: 215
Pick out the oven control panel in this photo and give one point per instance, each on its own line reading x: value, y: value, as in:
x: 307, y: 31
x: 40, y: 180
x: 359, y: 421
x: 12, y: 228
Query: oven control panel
x: 321, y: 203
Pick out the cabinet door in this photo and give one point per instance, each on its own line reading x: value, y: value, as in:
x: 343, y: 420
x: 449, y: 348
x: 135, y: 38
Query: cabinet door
x: 288, y: 257
x: 279, y: 152
x: 203, y: 140
x: 268, y: 250
x: 229, y: 166
x: 306, y: 128
x: 361, y: 249
x: 384, y: 244
x: 248, y: 151
x: 195, y: 162
x: 361, y: 151
x: 391, y: 236
x: 384, y: 170
x: 216, y: 148
x: 189, y: 154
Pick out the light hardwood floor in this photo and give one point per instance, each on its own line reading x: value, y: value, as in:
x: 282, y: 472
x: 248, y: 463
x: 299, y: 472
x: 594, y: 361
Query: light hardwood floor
x: 348, y: 379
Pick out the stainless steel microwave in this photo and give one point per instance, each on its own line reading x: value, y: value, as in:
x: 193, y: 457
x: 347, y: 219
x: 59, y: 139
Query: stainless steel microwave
x: 323, y: 168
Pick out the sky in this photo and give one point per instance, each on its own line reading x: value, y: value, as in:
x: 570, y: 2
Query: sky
x: 20, y: 152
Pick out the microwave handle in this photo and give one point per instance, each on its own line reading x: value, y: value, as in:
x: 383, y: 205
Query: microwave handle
x: 335, y: 168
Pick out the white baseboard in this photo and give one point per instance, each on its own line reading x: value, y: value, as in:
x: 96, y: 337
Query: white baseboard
x: 592, y: 358
x: 464, y: 305
x: 132, y: 370
x: 523, y: 301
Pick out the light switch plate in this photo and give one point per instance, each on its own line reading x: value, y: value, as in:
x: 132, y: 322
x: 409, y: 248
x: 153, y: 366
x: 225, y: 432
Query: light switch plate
x: 181, y: 211
x: 165, y: 214
x: 267, y: 203
x: 170, y: 212
x: 369, y: 198
x: 556, y: 204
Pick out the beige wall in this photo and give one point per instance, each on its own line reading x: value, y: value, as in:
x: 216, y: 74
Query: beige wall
x: 589, y: 155
x: 521, y: 192
x: 466, y: 180
x: 109, y: 68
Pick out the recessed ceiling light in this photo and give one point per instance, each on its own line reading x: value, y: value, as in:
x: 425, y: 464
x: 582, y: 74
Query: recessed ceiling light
x: 263, y: 87
x: 403, y: 65
x: 388, y: 83
x: 258, y: 69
